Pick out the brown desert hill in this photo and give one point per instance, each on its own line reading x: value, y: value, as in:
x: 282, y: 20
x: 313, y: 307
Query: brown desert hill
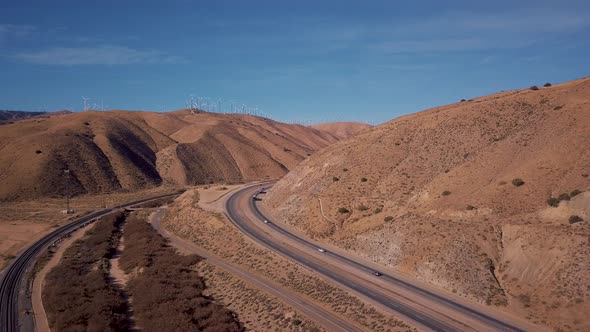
x: 124, y: 150
x: 458, y: 196
x: 342, y: 129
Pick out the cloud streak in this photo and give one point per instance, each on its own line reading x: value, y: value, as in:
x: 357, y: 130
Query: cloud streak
x: 101, y: 55
x: 13, y: 31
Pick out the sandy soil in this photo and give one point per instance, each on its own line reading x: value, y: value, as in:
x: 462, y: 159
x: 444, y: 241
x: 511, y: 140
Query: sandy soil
x: 41, y: 323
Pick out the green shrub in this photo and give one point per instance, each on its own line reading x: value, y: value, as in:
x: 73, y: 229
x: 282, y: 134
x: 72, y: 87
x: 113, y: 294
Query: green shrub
x: 575, y: 219
x: 534, y: 88
x: 575, y: 193
x: 378, y: 210
x: 547, y: 85
x: 564, y: 197
x: 345, y: 169
x: 343, y: 210
x: 335, y: 179
x: 297, y: 322
x: 388, y: 218
x: 517, y: 182
x: 446, y: 193
x: 364, y: 180
x: 554, y: 202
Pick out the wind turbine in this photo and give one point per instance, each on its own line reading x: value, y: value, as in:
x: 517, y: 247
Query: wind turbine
x: 85, y: 103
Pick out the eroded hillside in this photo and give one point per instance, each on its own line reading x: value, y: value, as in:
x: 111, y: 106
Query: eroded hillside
x: 121, y: 150
x: 459, y: 195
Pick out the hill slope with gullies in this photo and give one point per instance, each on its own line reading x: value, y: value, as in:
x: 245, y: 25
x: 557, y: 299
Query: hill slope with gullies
x: 122, y: 150
x: 488, y: 198
x: 342, y: 129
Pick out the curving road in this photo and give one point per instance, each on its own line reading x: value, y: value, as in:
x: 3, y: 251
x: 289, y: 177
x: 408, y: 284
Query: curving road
x: 15, y: 273
x: 423, y: 306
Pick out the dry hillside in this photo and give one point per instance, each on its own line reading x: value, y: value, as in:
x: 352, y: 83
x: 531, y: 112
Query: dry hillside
x: 459, y: 196
x: 342, y: 129
x: 122, y: 150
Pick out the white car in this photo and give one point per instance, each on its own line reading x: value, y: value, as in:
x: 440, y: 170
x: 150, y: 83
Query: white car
x: 321, y: 250
x: 265, y: 221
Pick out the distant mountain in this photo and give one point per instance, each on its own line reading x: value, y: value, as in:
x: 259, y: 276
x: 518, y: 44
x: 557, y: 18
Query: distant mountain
x: 342, y: 129
x: 10, y: 116
x: 123, y: 150
x: 6, y: 116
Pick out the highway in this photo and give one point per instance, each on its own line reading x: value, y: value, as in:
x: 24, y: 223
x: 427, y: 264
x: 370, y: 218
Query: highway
x: 14, y: 275
x: 425, y: 307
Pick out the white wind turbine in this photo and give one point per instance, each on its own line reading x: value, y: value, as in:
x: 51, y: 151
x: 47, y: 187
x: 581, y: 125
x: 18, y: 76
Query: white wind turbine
x: 85, y: 103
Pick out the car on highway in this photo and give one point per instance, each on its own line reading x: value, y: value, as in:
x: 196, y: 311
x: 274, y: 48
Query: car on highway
x: 321, y: 250
x: 378, y: 274
x: 265, y: 221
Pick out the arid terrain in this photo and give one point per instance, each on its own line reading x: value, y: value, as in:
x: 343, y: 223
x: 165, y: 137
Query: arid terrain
x: 342, y: 129
x: 487, y: 198
x: 123, y: 150
x: 194, y: 217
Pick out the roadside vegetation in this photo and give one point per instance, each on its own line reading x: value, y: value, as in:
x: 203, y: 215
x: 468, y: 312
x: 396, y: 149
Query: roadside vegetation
x: 78, y: 294
x: 165, y: 288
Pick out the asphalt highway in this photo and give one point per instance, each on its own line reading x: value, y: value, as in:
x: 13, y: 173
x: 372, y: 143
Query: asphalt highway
x: 13, y: 276
x: 422, y: 306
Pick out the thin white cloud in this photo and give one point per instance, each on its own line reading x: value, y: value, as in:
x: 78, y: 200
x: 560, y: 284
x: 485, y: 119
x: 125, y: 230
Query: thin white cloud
x: 100, y: 55
x: 16, y: 32
x: 468, y: 31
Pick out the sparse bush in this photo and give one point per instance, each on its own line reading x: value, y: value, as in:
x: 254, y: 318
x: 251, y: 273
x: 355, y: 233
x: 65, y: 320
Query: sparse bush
x: 286, y: 150
x: 378, y: 210
x: 446, y: 193
x: 388, y: 218
x: 86, y: 123
x: 564, y: 197
x: 38, y: 152
x: 168, y: 279
x: 470, y: 207
x: 77, y: 294
x: 463, y: 100
x: 362, y: 208
x: 363, y: 179
x: 554, y: 202
x: 517, y: 182
x: 575, y: 193
x: 335, y: 179
x: 547, y: 85
x: 556, y: 108
x: 534, y: 88
x: 575, y: 219
x: 343, y: 210
x: 345, y: 169
x: 297, y: 322
x: 585, y: 175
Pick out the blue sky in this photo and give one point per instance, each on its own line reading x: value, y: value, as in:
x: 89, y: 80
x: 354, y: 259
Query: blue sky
x: 305, y: 61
